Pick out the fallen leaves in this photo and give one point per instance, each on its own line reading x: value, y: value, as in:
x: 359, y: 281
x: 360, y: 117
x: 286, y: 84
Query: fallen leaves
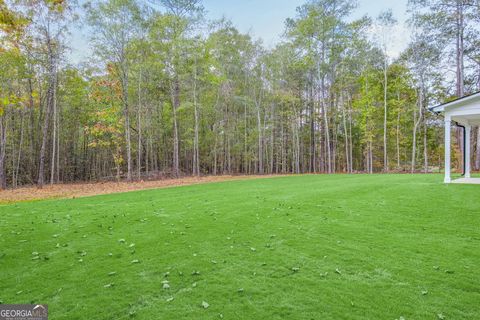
x: 90, y: 189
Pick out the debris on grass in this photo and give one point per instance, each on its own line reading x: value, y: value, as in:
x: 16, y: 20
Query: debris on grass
x: 295, y: 269
x: 110, y: 274
x: 440, y: 316
x: 135, y: 261
x: 424, y: 292
x: 121, y: 240
x: 109, y: 285
x: 196, y: 273
x: 205, y: 305
x: 170, y: 299
x: 338, y: 271
x: 165, y: 284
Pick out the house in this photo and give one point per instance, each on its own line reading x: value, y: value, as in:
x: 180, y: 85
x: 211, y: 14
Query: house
x: 465, y: 113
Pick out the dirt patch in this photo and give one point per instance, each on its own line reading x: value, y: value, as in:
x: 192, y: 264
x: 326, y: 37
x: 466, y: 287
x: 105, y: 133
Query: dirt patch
x: 90, y: 189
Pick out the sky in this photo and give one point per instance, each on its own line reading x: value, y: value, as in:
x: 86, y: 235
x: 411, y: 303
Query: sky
x: 265, y: 19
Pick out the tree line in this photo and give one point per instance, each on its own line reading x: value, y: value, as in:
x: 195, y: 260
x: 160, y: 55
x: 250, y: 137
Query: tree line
x: 168, y: 93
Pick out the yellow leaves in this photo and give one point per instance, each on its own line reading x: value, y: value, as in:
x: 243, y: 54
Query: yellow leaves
x: 11, y: 23
x: 11, y: 100
x: 56, y: 5
x: 5, y: 101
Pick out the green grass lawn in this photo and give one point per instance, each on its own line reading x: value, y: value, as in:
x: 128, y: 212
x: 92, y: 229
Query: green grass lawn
x: 303, y: 247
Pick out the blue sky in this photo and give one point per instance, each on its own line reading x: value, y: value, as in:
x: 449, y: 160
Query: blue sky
x: 265, y: 19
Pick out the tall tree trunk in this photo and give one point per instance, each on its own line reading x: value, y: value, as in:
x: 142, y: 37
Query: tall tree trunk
x: 350, y: 138
x: 415, y: 128
x: 425, y: 149
x: 398, y: 141
x: 48, y: 108
x: 55, y: 133
x: 196, y: 152
x: 273, y: 163
x: 312, y: 129
x: 16, y: 169
x: 258, y: 103
x: 245, y: 139
x: 139, y: 127
x: 260, y: 141
x: 32, y: 142
x: 326, y: 126
x: 3, y: 145
x: 385, y: 113
x: 126, y: 115
x: 215, y: 156
x: 176, y: 105
x: 345, y: 133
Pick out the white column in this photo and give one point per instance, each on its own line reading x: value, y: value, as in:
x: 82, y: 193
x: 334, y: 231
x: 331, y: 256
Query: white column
x: 447, y: 149
x: 468, y: 130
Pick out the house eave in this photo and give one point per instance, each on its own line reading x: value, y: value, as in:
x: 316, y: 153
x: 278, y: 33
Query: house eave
x: 457, y: 102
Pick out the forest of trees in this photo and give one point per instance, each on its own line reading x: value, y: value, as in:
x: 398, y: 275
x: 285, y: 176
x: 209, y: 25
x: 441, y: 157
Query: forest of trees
x: 168, y: 93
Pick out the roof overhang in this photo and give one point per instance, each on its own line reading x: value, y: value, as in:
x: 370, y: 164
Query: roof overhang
x: 473, y: 98
x: 464, y: 111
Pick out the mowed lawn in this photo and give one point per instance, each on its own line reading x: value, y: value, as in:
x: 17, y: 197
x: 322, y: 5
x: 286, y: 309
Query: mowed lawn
x: 300, y: 247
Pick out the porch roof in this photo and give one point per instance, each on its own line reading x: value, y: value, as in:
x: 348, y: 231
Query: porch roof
x: 465, y: 111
